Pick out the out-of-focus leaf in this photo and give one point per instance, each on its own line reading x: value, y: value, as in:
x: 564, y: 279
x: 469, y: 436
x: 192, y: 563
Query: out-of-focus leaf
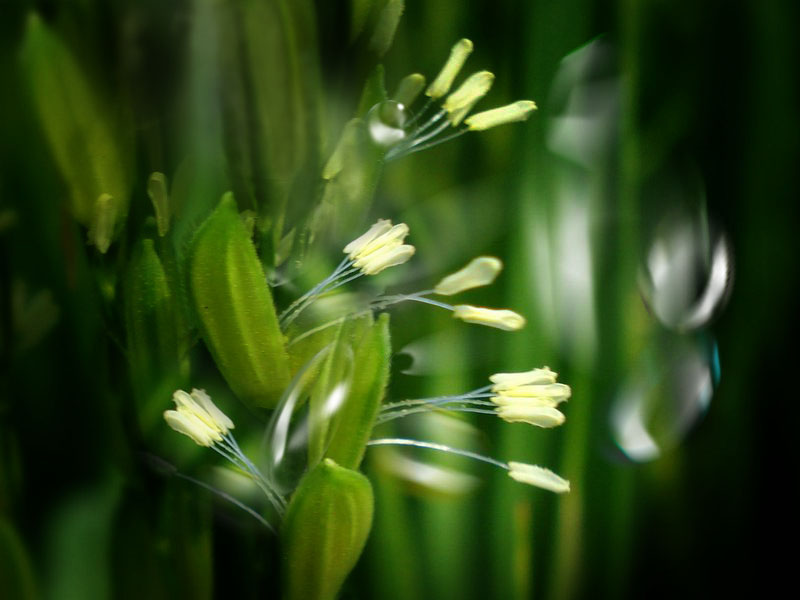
x: 234, y: 306
x: 17, y: 580
x: 79, y: 544
x: 386, y: 25
x: 157, y: 190
x: 324, y: 531
x: 359, y: 12
x: 87, y: 139
x: 353, y: 176
x: 32, y: 316
x: 269, y: 75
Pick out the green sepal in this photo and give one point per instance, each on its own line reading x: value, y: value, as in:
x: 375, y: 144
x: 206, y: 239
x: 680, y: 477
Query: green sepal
x: 324, y: 531
x: 87, y: 140
x: 234, y: 307
x: 370, y: 376
x: 152, y: 334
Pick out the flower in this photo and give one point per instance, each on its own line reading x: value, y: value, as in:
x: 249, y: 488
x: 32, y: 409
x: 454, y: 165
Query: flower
x: 537, y: 476
x: 198, y: 417
x: 479, y: 272
x: 380, y: 247
x: 504, y: 319
x: 530, y: 397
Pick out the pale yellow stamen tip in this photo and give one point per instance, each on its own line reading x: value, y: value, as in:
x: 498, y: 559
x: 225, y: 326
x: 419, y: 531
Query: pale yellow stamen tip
x: 538, y: 476
x: 460, y: 102
x: 540, y: 416
x: 198, y: 417
x: 517, y: 111
x: 504, y: 381
x: 504, y: 319
x: 380, y: 247
x: 409, y: 88
x: 458, y: 56
x: 192, y: 426
x: 479, y: 272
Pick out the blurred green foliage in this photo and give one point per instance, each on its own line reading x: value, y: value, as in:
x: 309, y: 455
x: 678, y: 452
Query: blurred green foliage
x: 123, y: 123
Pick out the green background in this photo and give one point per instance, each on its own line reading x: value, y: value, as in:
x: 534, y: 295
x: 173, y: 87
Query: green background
x: 707, y: 102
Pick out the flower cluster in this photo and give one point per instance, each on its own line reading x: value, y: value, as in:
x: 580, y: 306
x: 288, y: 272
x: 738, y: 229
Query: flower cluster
x: 380, y: 247
x: 524, y: 397
x: 530, y: 397
x: 198, y: 417
x: 453, y: 107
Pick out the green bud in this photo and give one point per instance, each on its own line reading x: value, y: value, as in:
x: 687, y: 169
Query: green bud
x: 86, y: 142
x: 152, y: 333
x: 371, y: 374
x: 101, y: 230
x: 234, y: 306
x: 324, y: 531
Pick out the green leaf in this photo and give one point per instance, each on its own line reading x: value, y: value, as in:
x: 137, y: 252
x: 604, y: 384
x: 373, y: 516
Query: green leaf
x: 371, y: 374
x: 234, y: 306
x: 326, y: 526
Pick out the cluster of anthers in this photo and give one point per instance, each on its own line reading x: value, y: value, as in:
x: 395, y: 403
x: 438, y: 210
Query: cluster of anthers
x: 443, y: 111
x: 382, y: 246
x: 531, y: 397
x: 528, y: 397
x: 197, y: 417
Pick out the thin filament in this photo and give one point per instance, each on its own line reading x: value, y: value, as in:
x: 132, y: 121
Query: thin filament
x: 438, y: 447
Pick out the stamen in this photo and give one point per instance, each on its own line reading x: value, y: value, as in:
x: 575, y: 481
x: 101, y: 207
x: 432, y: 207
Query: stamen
x: 229, y: 498
x: 439, y: 448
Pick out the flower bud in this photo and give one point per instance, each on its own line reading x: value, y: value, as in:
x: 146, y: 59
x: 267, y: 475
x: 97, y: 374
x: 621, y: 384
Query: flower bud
x: 324, y: 531
x: 234, y: 306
